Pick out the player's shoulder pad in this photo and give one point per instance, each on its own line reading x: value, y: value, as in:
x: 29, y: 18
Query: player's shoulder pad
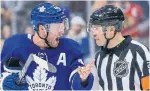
x: 11, y: 44
x: 71, y: 45
x: 17, y: 40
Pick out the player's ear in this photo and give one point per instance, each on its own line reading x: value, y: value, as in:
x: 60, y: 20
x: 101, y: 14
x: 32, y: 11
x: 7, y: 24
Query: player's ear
x: 42, y: 30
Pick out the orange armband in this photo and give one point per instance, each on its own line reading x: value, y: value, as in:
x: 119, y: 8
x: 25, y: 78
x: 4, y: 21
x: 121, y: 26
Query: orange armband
x: 145, y: 82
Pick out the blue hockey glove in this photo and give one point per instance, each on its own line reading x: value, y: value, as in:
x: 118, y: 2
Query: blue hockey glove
x: 11, y: 83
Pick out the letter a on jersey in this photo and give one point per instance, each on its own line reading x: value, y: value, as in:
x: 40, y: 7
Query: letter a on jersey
x: 62, y: 59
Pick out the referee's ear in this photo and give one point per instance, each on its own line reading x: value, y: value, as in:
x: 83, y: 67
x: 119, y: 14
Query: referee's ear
x: 145, y: 83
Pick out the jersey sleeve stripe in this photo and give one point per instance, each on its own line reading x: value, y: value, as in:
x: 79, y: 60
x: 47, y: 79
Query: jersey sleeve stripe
x: 147, y: 54
x: 72, y: 73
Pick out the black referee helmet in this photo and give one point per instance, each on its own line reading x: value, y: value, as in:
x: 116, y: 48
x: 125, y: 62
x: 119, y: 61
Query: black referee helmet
x: 106, y: 16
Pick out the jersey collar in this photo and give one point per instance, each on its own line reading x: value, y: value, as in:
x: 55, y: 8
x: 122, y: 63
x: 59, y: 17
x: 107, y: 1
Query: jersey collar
x: 119, y: 47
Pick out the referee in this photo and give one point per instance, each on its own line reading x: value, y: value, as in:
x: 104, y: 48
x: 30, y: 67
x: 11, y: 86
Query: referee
x: 122, y: 63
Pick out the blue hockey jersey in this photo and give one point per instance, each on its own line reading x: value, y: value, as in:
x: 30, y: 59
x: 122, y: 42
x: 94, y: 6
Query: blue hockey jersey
x: 66, y: 58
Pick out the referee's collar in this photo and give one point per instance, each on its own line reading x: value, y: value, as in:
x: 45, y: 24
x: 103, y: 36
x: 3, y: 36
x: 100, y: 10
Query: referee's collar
x: 121, y: 46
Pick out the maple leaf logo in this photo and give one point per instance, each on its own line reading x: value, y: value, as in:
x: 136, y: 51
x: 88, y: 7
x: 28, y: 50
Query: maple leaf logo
x: 40, y: 81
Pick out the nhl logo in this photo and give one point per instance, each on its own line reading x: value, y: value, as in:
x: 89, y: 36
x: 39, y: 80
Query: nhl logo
x: 121, y: 68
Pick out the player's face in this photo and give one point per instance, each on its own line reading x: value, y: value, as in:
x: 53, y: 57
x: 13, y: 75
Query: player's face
x: 98, y: 35
x: 56, y: 31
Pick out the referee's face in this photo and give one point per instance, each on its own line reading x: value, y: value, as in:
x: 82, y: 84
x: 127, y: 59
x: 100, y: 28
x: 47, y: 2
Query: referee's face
x: 98, y: 35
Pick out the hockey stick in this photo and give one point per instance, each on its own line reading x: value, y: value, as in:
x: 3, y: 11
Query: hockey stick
x: 42, y: 63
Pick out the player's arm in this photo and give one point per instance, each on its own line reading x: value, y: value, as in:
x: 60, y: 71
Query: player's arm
x: 81, y: 80
x: 9, y: 57
x: 143, y: 63
x: 78, y: 80
x: 10, y: 65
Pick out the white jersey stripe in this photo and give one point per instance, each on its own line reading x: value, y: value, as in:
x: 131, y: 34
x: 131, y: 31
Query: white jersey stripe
x: 112, y: 75
x: 125, y: 79
x: 29, y: 36
x: 136, y: 81
x: 143, y: 47
x: 72, y: 73
x: 140, y: 62
x: 97, y: 61
x: 103, y: 71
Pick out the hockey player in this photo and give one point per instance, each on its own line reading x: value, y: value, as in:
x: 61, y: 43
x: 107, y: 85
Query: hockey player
x: 44, y: 60
x: 122, y: 63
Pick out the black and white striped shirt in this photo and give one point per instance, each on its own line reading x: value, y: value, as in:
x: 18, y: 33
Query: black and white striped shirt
x: 124, y: 66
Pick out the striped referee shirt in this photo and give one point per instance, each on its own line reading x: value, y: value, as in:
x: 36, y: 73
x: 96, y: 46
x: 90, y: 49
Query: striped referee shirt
x: 124, y: 67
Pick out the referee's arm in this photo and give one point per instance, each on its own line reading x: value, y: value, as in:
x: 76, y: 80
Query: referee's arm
x: 144, y: 59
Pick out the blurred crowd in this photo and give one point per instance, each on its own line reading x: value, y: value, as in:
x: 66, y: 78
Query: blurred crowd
x: 15, y: 18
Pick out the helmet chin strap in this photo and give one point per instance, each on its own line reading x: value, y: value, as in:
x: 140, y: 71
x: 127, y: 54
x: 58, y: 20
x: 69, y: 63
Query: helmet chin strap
x: 45, y: 39
x: 108, y: 39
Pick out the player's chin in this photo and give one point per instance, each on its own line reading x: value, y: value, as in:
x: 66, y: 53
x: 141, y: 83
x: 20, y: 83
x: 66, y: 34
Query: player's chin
x: 55, y: 44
